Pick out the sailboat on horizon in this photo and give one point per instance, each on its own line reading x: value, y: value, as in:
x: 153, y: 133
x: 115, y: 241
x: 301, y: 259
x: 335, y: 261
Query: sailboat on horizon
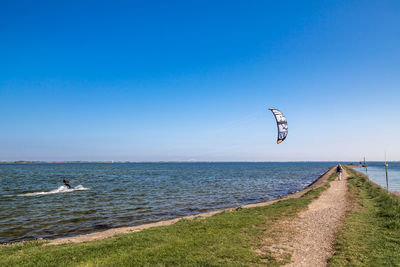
x: 364, y: 164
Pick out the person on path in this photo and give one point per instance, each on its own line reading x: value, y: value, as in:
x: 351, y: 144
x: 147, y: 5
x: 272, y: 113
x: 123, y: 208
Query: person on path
x: 66, y: 183
x: 339, y: 171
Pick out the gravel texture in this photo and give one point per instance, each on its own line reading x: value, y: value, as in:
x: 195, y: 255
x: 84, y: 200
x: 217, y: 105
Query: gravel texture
x: 313, y: 231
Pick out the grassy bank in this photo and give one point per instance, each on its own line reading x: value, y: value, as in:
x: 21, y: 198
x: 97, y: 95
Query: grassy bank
x: 370, y: 235
x: 228, y: 239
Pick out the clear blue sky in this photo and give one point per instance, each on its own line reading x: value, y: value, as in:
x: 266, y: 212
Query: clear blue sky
x: 192, y: 80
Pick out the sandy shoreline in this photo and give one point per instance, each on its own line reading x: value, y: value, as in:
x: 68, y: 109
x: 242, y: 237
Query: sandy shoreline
x: 131, y: 229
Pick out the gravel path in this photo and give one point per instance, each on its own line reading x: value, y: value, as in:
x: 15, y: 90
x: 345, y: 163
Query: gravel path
x: 311, y: 241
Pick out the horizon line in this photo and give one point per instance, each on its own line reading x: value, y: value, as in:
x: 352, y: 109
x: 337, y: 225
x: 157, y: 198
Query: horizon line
x: 175, y: 161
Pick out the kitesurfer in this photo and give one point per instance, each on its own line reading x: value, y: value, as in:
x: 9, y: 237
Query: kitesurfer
x: 339, y: 171
x: 66, y: 183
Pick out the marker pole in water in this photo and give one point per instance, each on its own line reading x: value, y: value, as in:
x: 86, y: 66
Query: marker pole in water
x: 387, y: 178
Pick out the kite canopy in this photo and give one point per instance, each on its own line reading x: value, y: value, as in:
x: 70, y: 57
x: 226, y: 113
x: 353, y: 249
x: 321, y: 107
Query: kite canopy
x: 282, y: 125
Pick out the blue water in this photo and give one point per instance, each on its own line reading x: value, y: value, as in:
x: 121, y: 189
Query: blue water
x: 376, y: 172
x: 35, y: 204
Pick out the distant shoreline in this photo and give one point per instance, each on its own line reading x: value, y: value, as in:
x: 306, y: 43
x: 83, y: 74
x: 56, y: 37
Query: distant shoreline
x: 172, y: 161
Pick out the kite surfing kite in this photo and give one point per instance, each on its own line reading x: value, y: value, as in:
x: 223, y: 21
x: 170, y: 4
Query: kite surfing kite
x: 281, y: 122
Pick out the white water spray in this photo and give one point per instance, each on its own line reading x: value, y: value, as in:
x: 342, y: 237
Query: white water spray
x: 61, y: 189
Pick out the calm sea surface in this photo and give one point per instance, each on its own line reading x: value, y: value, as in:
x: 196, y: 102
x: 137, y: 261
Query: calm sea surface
x: 376, y: 172
x: 35, y: 204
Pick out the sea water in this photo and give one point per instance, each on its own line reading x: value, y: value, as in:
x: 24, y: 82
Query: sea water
x: 34, y: 203
x: 376, y: 172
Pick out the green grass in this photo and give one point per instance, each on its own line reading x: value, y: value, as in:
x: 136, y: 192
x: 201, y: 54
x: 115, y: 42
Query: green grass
x: 225, y: 239
x: 370, y: 234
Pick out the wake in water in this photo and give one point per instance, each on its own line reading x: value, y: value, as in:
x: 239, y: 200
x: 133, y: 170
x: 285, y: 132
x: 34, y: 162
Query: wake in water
x: 61, y: 189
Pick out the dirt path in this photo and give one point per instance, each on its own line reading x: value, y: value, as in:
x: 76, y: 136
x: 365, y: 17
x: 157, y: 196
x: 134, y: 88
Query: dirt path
x: 311, y: 236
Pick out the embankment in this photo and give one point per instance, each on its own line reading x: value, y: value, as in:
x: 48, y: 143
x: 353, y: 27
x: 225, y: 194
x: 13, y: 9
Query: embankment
x: 229, y: 237
x: 123, y: 230
x: 370, y: 234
